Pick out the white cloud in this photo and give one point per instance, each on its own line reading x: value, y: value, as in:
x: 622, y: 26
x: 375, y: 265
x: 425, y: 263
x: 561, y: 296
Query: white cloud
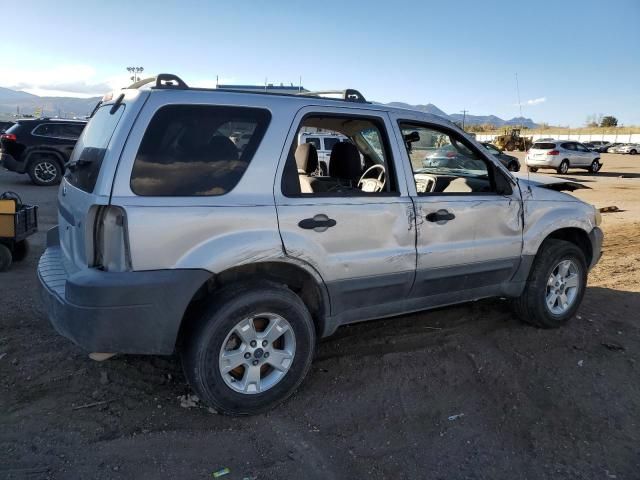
x: 63, y: 80
x: 533, y: 101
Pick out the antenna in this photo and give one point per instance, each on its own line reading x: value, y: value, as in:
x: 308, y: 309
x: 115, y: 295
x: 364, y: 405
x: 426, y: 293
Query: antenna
x: 518, y: 90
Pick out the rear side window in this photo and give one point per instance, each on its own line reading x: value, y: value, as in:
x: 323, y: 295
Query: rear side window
x: 187, y: 150
x: 86, y: 159
x: 544, y: 146
x: 45, y: 130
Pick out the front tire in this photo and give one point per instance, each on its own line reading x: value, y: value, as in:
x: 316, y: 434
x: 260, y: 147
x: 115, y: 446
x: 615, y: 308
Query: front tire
x: 633, y: 152
x: 555, y: 287
x: 533, y: 169
x: 564, y: 167
x: 45, y: 170
x: 251, y: 348
x: 595, y: 166
x: 513, y: 167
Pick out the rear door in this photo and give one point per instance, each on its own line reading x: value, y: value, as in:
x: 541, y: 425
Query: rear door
x: 469, y: 238
x: 362, y: 244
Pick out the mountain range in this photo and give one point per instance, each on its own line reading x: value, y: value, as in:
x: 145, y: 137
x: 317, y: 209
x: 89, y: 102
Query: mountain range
x: 469, y: 119
x: 23, y: 103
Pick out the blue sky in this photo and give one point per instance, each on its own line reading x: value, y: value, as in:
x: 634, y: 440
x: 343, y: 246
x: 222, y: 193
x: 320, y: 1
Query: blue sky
x: 573, y: 58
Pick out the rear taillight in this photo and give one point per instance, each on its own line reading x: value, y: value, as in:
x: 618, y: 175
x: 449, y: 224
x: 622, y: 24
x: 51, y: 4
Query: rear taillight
x: 8, y: 136
x: 553, y: 152
x: 111, y: 240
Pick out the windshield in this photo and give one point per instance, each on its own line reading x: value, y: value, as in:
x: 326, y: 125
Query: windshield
x: 86, y: 159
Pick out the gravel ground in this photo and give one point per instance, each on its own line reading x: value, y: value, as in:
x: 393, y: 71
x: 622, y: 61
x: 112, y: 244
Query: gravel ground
x: 458, y: 393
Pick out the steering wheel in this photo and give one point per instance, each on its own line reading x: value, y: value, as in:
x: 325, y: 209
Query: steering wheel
x: 373, y: 184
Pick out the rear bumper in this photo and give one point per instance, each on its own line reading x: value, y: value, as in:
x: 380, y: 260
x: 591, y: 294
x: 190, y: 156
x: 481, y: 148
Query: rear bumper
x: 596, y: 237
x: 128, y: 312
x: 552, y: 162
x: 10, y: 163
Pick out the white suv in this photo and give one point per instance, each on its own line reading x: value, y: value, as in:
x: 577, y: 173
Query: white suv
x: 562, y: 155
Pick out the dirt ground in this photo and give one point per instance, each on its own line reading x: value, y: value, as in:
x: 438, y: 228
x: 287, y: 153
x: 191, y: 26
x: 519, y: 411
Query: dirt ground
x: 458, y: 393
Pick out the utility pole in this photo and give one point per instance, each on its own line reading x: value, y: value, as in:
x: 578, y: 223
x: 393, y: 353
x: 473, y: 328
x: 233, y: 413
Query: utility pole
x: 464, y: 116
x: 135, y: 71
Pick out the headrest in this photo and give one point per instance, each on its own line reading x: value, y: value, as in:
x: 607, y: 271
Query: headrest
x: 222, y: 148
x: 345, y: 161
x: 306, y: 158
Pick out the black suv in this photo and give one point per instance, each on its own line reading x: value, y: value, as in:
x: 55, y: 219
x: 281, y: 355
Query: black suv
x: 40, y: 147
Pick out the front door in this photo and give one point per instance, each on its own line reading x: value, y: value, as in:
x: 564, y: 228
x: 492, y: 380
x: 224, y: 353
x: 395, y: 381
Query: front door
x: 360, y: 239
x: 469, y: 236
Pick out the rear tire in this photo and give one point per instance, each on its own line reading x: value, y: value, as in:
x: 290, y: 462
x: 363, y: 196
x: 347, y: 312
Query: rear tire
x: 5, y: 258
x: 533, y: 306
x: 633, y: 152
x: 564, y: 167
x: 218, y: 331
x: 595, y: 167
x: 513, y: 167
x: 533, y: 169
x: 45, y: 170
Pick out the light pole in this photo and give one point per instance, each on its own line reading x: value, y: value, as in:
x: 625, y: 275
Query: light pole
x: 135, y: 71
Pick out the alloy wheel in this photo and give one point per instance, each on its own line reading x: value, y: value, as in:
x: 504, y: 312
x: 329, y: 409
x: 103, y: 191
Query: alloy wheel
x: 562, y: 287
x: 257, y: 353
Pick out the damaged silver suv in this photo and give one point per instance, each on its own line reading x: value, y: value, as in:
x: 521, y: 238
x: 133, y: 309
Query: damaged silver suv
x: 173, y: 238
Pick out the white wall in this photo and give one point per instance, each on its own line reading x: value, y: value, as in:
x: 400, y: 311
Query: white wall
x: 621, y: 137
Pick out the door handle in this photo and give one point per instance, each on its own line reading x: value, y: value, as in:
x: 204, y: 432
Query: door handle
x: 440, y: 216
x: 319, y: 223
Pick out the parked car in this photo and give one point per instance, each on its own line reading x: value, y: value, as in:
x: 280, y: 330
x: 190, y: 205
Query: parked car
x: 40, y: 147
x: 615, y: 147
x: 562, y: 155
x: 631, y: 148
x: 590, y: 146
x: 323, y: 143
x: 512, y: 163
x: 599, y: 143
x: 170, y: 239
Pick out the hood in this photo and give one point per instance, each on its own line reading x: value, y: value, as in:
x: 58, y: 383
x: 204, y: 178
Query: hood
x: 550, y: 183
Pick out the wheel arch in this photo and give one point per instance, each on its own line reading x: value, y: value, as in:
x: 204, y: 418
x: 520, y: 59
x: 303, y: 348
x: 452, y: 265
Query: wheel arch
x: 302, y: 279
x: 575, y: 235
x: 38, y: 151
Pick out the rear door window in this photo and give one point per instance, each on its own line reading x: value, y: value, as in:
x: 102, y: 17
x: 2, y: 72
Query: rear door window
x: 187, y: 150
x: 86, y: 159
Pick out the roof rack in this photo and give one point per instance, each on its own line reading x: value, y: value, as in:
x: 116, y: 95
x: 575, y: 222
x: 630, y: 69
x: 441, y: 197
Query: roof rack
x: 162, y: 80
x: 348, y: 95
x: 171, y: 81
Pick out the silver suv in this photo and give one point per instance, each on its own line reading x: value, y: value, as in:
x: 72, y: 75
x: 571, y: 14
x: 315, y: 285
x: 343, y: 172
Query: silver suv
x: 172, y: 239
x: 562, y: 155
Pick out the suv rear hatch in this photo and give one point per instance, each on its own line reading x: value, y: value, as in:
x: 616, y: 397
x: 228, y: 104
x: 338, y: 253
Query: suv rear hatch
x: 82, y: 192
x: 539, y: 150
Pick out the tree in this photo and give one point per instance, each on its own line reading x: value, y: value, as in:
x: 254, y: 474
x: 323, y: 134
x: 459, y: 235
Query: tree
x: 609, y: 121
